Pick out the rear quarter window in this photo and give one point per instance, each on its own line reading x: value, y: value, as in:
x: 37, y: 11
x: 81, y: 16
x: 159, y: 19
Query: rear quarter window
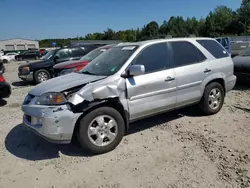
x: 214, y: 48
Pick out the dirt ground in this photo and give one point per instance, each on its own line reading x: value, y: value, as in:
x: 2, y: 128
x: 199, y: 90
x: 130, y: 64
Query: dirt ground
x: 177, y: 149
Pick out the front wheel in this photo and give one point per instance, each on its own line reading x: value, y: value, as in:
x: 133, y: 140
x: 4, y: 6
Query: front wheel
x: 41, y: 75
x: 101, y: 130
x: 213, y: 98
x: 5, y: 61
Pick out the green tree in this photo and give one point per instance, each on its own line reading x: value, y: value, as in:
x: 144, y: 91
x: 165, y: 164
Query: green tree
x: 244, y: 15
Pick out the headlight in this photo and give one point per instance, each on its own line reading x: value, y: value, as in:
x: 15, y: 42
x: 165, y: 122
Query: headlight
x: 25, y: 69
x: 67, y: 71
x: 51, y: 99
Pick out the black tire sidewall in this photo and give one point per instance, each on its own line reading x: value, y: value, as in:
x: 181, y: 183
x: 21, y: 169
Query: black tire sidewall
x: 5, y: 61
x: 204, y: 102
x: 37, y: 72
x: 83, y: 130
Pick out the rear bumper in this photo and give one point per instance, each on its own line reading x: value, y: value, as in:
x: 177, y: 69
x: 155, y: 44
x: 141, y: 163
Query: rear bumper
x: 230, y: 83
x: 26, y: 77
x: 5, y: 90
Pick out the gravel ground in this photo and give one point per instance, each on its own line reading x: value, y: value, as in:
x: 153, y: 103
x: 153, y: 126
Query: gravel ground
x: 177, y: 149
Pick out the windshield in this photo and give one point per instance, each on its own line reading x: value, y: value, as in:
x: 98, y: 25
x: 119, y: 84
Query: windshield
x: 246, y: 52
x: 93, y: 54
x: 48, y: 55
x: 110, y: 61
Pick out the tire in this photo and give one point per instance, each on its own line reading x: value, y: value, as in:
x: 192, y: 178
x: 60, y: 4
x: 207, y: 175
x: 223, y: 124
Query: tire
x: 41, y: 76
x: 208, y: 102
x: 87, y: 141
x: 5, y: 61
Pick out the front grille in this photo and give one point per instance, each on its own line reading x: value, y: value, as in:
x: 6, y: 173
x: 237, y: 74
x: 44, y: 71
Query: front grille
x: 28, y: 99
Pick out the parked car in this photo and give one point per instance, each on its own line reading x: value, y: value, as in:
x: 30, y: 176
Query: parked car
x: 30, y: 54
x: 74, y: 66
x: 242, y: 66
x: 43, y: 70
x: 8, y: 57
x: 5, y: 89
x: 129, y: 82
x: 225, y: 42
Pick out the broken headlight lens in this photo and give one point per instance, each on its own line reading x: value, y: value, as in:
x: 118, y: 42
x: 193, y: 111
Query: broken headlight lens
x: 51, y: 99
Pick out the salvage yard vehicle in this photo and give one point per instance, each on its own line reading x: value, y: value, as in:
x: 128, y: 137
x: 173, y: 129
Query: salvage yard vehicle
x: 5, y: 89
x: 74, y: 66
x: 129, y: 82
x: 242, y: 66
x: 43, y: 70
x: 30, y: 54
x: 8, y: 57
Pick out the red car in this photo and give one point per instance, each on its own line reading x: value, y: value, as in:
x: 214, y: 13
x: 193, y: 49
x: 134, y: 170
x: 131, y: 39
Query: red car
x: 74, y: 66
x: 5, y: 89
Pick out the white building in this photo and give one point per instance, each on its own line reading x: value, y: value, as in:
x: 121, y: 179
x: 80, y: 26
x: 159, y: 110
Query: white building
x: 18, y: 44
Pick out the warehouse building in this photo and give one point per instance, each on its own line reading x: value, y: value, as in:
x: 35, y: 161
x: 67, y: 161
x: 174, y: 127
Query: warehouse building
x: 18, y: 44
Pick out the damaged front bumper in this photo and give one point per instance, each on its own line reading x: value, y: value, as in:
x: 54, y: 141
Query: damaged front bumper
x: 55, y: 124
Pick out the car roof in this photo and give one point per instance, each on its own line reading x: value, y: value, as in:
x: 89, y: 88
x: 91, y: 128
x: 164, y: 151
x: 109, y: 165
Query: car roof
x: 142, y: 43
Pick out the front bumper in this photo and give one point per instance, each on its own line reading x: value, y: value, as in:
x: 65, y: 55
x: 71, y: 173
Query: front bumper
x: 53, y: 123
x: 243, y: 77
x: 26, y: 77
x: 5, y: 90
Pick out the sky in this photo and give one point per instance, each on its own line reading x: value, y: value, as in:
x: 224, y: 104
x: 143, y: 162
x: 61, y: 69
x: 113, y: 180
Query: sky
x: 39, y: 19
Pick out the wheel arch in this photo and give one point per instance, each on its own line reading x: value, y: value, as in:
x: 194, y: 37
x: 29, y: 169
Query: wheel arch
x: 87, y: 107
x: 220, y: 78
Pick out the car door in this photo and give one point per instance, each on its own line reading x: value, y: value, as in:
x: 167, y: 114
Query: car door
x: 189, y: 65
x: 154, y: 91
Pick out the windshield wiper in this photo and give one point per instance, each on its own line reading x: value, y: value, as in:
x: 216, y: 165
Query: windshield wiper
x: 87, y: 72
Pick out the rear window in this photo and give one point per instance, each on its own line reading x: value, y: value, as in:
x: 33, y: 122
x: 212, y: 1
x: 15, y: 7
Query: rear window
x: 214, y: 48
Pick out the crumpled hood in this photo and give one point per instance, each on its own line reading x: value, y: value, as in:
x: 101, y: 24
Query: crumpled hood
x: 63, y: 83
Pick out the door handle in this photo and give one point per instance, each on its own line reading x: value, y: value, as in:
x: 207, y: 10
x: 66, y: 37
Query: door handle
x: 207, y: 70
x: 168, y: 79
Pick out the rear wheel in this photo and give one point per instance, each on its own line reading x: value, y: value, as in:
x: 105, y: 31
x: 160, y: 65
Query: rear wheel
x: 101, y: 130
x: 41, y: 75
x: 213, y: 98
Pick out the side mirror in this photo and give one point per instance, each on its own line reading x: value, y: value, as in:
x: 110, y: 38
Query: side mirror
x: 134, y: 70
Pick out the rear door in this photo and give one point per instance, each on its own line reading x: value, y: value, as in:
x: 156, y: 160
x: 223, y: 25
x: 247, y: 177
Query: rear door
x: 154, y: 91
x: 188, y: 63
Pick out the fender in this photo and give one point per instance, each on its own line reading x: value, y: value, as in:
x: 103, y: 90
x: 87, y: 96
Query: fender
x: 214, y: 76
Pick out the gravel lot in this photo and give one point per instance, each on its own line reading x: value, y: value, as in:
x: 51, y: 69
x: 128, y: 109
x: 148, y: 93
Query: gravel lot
x: 177, y: 149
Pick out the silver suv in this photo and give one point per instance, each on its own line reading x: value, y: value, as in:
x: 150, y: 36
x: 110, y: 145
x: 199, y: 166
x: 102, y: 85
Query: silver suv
x: 128, y: 82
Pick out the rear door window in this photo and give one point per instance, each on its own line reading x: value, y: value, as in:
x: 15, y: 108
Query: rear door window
x: 184, y: 53
x: 78, y: 52
x: 214, y: 48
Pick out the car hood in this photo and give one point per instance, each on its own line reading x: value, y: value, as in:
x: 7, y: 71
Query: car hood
x: 70, y: 64
x: 38, y: 64
x: 63, y: 83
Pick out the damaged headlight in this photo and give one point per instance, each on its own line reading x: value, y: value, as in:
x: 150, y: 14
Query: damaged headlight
x: 51, y: 99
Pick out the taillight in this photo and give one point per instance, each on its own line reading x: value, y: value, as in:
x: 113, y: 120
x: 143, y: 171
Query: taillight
x: 2, y: 79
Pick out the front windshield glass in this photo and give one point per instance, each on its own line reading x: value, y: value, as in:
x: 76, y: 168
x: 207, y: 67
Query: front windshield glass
x: 110, y: 61
x: 246, y: 52
x: 48, y: 55
x: 93, y: 54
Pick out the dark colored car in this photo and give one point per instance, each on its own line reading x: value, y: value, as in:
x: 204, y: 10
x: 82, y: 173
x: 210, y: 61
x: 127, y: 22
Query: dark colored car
x: 242, y: 66
x: 5, y: 89
x: 74, y: 66
x: 2, y: 68
x: 43, y: 70
x: 30, y: 54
